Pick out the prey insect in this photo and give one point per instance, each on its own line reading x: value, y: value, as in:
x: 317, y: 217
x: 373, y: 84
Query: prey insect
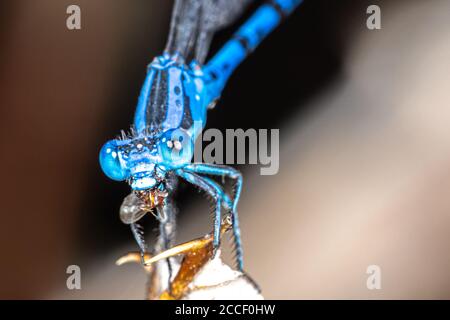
x: 171, y: 111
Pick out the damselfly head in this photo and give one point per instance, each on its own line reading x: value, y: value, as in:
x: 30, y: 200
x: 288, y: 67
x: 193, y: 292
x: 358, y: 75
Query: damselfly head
x: 132, y: 159
x: 143, y: 160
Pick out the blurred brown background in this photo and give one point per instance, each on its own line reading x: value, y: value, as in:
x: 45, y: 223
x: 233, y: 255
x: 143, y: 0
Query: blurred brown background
x: 364, y: 121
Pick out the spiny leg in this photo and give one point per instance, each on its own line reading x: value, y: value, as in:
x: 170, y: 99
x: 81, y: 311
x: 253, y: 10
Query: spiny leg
x: 219, y: 170
x: 220, y: 198
x: 138, y: 234
x: 201, y: 183
x: 236, y: 231
x: 226, y: 203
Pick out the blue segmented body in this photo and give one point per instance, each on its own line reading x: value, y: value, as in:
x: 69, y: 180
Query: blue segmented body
x: 178, y: 90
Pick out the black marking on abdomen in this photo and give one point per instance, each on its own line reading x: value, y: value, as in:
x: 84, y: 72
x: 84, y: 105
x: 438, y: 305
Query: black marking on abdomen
x: 276, y: 6
x: 243, y: 41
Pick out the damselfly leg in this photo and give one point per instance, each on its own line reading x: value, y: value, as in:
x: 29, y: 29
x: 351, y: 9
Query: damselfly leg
x: 192, y: 173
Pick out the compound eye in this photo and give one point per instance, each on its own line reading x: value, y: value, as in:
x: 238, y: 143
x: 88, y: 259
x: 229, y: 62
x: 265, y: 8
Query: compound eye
x: 176, y: 147
x: 110, y: 162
